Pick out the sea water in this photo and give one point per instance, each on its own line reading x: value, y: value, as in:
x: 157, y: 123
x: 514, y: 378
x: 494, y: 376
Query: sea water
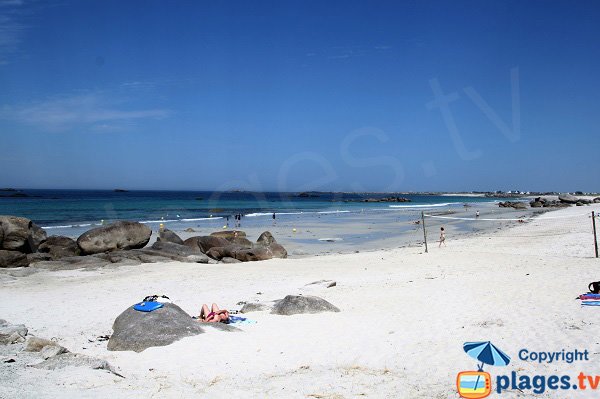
x: 71, y: 212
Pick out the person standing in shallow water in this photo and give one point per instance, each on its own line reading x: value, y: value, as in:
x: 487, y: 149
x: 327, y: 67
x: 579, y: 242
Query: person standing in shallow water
x: 442, y: 237
x: 273, y: 218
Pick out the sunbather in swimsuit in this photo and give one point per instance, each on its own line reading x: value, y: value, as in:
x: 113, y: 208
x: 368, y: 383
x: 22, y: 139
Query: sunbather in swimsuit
x: 215, y: 315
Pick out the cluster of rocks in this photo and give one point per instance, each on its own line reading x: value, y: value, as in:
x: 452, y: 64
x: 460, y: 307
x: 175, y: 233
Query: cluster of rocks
x: 564, y: 200
x: 570, y: 199
x: 23, y: 243
x: 233, y: 246
x: 46, y: 354
x: 137, y: 331
x: 513, y: 204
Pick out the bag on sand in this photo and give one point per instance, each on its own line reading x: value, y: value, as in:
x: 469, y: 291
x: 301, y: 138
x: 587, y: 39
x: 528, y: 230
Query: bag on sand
x: 594, y: 287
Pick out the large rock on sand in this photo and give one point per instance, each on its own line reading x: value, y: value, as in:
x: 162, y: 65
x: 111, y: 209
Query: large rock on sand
x: 59, y: 247
x: 20, y: 234
x: 13, y: 259
x: 119, y: 235
x: 205, y: 243
x: 178, y: 252
x: 229, y: 251
x: 265, y: 239
x: 253, y: 254
x: 520, y: 205
x: 136, y: 331
x: 241, y: 241
x: 166, y: 235
x: 567, y: 198
x: 297, y: 304
x: 227, y: 234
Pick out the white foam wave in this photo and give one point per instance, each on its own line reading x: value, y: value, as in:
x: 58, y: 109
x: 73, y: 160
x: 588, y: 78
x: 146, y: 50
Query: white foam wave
x: 276, y: 213
x: 422, y: 206
x: 198, y: 219
x: 328, y: 212
x: 159, y: 221
x: 67, y: 226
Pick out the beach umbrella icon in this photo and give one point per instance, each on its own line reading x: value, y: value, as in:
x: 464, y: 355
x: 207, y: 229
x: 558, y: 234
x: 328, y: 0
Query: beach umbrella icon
x: 486, y: 353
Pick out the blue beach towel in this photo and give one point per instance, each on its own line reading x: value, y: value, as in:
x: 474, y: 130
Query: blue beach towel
x: 147, y: 306
x: 590, y: 303
x: 240, y: 320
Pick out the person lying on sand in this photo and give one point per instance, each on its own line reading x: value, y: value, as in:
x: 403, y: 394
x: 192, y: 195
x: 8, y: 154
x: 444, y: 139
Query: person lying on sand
x: 215, y: 315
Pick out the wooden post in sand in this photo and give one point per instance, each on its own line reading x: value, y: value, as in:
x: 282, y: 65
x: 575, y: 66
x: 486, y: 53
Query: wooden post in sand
x: 425, y: 234
x: 594, y: 226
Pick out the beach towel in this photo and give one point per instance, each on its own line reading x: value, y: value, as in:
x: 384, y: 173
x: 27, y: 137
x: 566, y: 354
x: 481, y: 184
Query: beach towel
x: 240, y: 320
x: 584, y: 297
x: 148, y: 306
x: 590, y: 303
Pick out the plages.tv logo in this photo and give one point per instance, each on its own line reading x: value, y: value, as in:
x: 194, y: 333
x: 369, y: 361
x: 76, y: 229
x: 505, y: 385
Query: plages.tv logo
x: 478, y: 384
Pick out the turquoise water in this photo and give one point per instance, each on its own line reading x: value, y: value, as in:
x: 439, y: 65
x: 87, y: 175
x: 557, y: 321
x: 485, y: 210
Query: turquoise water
x: 73, y: 211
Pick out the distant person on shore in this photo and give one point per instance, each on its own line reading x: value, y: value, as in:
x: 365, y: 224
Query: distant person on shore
x: 227, y: 221
x: 274, y: 220
x: 442, y: 237
x: 477, y: 214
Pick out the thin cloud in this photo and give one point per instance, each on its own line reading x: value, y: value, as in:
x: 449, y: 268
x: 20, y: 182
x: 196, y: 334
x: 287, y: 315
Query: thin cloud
x: 11, y: 32
x: 91, y: 111
x: 9, y: 3
x: 15, y: 18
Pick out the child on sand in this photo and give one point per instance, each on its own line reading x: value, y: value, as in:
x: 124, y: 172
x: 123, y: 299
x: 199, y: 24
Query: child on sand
x: 442, y: 237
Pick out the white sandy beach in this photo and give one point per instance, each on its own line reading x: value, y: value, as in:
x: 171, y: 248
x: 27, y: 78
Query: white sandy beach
x: 404, y: 317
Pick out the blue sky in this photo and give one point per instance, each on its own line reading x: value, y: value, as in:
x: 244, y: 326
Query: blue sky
x: 300, y: 95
